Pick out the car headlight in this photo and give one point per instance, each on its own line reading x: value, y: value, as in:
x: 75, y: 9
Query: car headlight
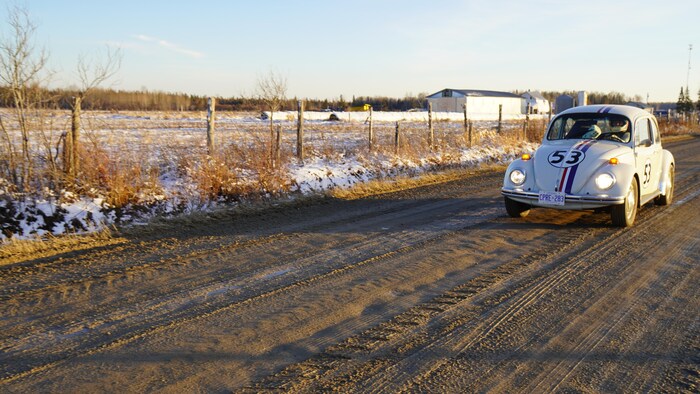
x: 604, y: 181
x: 517, y: 177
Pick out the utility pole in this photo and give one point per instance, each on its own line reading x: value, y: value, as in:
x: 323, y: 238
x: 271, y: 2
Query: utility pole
x: 687, y: 78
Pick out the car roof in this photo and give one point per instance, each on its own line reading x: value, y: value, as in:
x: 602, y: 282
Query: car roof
x: 626, y: 110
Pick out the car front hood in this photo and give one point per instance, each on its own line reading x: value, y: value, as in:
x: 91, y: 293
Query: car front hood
x: 568, y: 165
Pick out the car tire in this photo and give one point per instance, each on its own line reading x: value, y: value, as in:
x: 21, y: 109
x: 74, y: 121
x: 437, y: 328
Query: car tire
x: 623, y: 215
x: 667, y: 198
x: 516, y: 209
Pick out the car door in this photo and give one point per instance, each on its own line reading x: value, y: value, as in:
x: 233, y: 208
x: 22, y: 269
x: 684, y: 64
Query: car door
x: 647, y: 154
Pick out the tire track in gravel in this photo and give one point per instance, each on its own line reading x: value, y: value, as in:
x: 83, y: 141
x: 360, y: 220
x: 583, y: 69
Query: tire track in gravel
x: 602, y: 258
x: 29, y: 276
x: 372, y: 370
x: 182, y: 309
x: 675, y: 283
x: 385, y: 269
x: 396, y: 339
x: 30, y: 283
x: 373, y: 338
x: 634, y: 286
x: 203, y: 257
x: 205, y: 310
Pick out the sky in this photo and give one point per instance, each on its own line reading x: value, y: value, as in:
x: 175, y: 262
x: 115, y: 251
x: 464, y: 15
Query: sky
x: 328, y: 49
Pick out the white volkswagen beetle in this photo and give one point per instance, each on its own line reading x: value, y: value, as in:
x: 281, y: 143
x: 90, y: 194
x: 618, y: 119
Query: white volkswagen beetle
x: 594, y: 157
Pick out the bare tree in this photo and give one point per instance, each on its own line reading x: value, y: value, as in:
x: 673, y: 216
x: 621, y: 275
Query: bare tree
x: 272, y: 89
x: 21, y: 70
x: 91, y: 73
x: 94, y: 71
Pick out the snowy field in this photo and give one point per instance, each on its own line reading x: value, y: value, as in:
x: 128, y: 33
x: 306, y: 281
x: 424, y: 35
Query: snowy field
x: 155, y: 163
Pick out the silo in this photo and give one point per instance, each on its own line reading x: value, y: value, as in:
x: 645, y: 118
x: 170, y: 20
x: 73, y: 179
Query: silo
x: 582, y: 99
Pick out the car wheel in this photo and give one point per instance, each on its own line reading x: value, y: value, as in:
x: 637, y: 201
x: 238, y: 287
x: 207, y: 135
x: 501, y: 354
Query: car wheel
x: 516, y: 209
x: 667, y: 198
x: 623, y: 215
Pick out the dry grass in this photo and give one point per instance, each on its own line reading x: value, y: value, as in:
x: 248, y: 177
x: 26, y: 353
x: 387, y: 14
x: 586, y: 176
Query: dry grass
x: 259, y: 172
x: 16, y: 251
x: 119, y: 173
x: 384, y: 186
x: 678, y: 127
x: 535, y: 130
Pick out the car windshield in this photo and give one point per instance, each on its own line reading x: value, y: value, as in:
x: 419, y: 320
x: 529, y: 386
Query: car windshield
x: 590, y: 126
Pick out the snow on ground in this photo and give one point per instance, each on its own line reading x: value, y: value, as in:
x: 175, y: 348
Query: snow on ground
x: 67, y: 213
x: 319, y: 175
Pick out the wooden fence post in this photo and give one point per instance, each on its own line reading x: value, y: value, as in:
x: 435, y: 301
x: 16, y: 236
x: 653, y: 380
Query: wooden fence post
x: 464, y: 107
x: 527, y: 122
x: 67, y: 153
x: 271, y: 158
x: 278, y: 144
x: 396, y: 140
x: 68, y: 146
x: 300, y: 130
x: 211, y: 113
x: 371, y: 131
x: 431, y: 135
x: 500, y: 117
x: 467, y: 134
x: 470, y: 135
x: 72, y: 143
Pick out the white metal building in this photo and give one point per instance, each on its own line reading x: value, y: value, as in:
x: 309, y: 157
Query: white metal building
x: 481, y: 104
x: 536, y: 102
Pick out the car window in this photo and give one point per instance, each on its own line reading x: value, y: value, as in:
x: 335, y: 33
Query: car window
x: 597, y: 126
x: 642, y: 132
x: 654, y: 132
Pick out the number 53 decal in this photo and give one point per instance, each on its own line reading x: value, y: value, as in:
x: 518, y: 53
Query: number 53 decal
x: 647, y: 172
x: 560, y: 159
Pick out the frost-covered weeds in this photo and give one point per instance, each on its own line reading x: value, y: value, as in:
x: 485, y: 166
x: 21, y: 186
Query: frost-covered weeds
x: 134, y: 166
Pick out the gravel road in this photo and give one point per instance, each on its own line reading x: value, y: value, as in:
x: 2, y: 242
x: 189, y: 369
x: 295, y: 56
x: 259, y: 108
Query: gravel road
x: 432, y: 289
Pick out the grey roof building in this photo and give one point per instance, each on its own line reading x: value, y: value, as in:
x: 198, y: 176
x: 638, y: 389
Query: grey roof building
x: 480, y: 104
x: 471, y: 93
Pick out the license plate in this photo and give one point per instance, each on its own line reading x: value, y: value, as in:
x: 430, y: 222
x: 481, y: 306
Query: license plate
x: 552, y: 198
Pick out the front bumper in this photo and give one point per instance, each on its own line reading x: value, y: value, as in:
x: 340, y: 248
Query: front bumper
x: 570, y: 202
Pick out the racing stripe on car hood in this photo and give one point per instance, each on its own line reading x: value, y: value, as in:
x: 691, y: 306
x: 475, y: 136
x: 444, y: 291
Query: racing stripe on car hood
x: 563, y: 179
x: 565, y: 170
x: 569, y: 174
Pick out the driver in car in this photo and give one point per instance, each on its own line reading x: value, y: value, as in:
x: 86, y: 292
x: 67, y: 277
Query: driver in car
x: 620, y: 129
x: 619, y: 125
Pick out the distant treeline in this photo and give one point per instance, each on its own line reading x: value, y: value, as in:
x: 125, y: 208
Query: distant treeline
x: 120, y: 100
x: 593, y: 97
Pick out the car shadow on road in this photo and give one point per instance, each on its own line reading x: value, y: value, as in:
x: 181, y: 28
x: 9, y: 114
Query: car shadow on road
x: 552, y: 219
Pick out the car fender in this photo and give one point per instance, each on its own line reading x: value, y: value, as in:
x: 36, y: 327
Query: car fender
x: 524, y: 165
x: 667, y: 161
x: 624, y: 174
